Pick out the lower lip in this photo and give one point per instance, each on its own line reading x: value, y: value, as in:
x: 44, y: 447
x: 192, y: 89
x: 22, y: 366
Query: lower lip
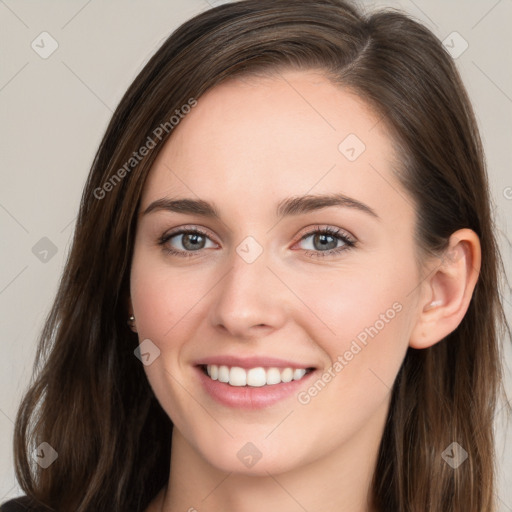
x: 249, y: 397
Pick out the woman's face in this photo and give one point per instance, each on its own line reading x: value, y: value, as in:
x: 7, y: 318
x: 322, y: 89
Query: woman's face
x: 258, y: 291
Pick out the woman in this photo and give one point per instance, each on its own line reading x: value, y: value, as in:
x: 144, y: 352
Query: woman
x: 285, y: 258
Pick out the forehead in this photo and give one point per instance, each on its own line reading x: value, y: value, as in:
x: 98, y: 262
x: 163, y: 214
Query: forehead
x: 291, y: 133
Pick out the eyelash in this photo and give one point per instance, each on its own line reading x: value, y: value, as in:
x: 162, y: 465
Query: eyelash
x: 335, y: 233
x: 349, y: 243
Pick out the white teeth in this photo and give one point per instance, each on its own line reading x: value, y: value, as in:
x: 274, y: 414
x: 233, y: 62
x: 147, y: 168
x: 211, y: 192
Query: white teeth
x: 297, y: 374
x: 237, y: 376
x: 223, y: 375
x: 273, y: 376
x: 255, y: 377
x: 287, y: 375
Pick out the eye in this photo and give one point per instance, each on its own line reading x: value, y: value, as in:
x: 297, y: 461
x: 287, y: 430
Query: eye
x: 192, y: 240
x: 327, y: 239
x: 324, y: 242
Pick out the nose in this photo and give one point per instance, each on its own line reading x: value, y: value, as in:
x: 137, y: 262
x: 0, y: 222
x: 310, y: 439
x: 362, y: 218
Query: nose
x: 250, y: 300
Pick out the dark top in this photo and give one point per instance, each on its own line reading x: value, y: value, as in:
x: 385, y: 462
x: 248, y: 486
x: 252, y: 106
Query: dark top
x: 20, y: 504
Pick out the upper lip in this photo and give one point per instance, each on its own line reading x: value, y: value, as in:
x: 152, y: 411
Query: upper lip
x: 251, y: 362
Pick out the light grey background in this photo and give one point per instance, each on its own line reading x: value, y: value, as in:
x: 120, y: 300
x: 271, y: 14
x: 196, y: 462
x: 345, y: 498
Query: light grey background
x: 54, y: 112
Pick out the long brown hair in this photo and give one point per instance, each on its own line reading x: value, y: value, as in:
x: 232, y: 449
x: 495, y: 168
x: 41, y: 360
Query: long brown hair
x: 90, y: 399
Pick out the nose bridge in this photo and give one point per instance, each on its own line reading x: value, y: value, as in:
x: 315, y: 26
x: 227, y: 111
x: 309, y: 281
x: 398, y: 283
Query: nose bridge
x: 250, y: 295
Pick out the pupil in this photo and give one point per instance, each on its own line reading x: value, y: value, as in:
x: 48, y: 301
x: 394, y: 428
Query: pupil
x: 193, y: 239
x: 324, y: 242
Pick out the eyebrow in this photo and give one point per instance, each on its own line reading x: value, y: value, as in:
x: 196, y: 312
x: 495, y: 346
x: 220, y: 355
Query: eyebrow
x: 290, y: 206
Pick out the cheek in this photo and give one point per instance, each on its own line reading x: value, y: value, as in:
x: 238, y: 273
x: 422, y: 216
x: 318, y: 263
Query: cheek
x: 364, y: 317
x: 161, y: 297
x: 369, y: 317
x: 162, y: 301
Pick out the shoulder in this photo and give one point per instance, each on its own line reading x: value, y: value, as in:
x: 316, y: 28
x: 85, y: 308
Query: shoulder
x: 20, y: 504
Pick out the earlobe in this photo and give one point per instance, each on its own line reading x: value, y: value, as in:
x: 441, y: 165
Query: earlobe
x: 131, y: 323
x: 131, y: 316
x: 447, y: 292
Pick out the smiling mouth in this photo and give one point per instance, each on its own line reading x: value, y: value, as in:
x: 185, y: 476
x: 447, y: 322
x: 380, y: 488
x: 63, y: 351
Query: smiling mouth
x: 253, y: 377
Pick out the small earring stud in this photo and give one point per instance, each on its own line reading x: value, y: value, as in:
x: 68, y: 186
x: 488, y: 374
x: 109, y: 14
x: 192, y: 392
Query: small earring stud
x: 131, y: 320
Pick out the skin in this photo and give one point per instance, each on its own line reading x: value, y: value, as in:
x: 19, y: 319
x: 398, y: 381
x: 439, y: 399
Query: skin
x: 248, y: 144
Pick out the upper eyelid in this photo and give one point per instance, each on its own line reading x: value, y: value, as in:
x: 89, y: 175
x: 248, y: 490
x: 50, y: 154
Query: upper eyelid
x: 182, y: 230
x: 336, y: 232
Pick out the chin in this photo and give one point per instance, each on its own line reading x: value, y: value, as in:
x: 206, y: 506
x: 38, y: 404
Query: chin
x: 258, y: 458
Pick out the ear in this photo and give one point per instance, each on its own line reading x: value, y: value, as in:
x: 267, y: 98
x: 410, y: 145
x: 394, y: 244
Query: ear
x: 131, y: 324
x: 447, y: 291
